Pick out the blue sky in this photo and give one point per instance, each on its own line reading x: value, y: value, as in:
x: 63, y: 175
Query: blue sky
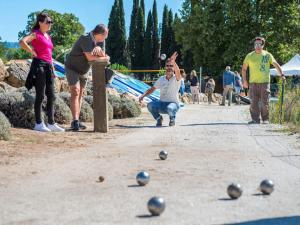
x: 14, y: 13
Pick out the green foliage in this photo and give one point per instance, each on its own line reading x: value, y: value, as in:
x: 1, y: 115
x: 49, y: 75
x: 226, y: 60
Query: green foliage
x: 130, y: 108
x: 139, y: 41
x: 290, y: 107
x: 218, y: 32
x: 155, y: 46
x: 116, y: 41
x: 132, y: 32
x: 164, y: 32
x: 119, y: 67
x: 123, y: 107
x: 86, y: 112
x: 90, y: 101
x: 5, y: 125
x: 148, y: 42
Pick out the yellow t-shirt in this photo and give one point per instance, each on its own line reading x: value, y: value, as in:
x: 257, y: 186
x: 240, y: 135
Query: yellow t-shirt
x: 259, y: 66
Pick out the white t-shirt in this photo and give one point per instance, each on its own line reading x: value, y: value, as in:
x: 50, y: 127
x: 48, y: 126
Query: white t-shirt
x: 168, y: 89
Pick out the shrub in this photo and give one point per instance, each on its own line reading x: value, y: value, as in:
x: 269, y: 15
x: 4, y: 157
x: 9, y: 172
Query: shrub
x: 123, y: 107
x: 89, y: 100
x: 130, y: 108
x: 62, y: 112
x: 4, y: 128
x: 86, y: 112
x: 117, y: 106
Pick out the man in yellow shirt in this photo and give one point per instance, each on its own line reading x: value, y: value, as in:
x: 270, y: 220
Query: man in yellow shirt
x: 259, y: 62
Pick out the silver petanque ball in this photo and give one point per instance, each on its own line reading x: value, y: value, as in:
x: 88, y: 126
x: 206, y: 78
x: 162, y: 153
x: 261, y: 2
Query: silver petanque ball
x: 156, y: 206
x: 266, y: 186
x: 163, y: 56
x: 163, y: 155
x: 142, y: 178
x: 234, y: 191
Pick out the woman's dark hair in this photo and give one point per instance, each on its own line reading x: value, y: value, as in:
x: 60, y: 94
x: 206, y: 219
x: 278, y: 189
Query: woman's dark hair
x: 41, y: 17
x: 99, y: 29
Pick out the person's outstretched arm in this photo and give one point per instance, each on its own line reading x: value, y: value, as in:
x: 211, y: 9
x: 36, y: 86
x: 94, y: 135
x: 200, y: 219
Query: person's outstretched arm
x: 175, y: 66
x: 148, y: 92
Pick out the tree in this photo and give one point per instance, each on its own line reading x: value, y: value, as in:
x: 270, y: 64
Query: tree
x: 216, y: 33
x: 148, y: 51
x: 2, y: 49
x: 132, y: 31
x: 155, y: 47
x: 170, y: 34
x: 116, y: 41
x: 65, y: 30
x: 139, y: 42
x: 164, y: 32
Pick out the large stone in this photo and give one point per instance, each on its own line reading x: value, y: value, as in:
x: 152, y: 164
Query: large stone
x: 3, y: 72
x: 6, y: 87
x: 64, y: 86
x: 18, y: 71
x: 112, y: 91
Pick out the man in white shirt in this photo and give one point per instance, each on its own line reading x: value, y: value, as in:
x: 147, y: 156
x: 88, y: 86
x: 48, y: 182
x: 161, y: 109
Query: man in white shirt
x: 169, y: 86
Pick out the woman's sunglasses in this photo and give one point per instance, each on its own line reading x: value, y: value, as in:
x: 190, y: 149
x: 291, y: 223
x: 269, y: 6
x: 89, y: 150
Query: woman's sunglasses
x: 169, y: 65
x: 49, y: 22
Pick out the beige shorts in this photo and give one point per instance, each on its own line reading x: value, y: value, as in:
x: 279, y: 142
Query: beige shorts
x: 75, y: 78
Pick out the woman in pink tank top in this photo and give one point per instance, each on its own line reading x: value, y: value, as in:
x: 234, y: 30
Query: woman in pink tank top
x: 41, y: 74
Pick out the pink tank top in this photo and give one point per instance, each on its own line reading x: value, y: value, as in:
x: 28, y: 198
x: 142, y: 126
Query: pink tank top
x: 43, y: 46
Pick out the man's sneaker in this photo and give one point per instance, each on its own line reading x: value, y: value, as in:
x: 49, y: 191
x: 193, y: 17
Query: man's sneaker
x: 159, y: 121
x: 41, y: 127
x: 55, y: 128
x: 75, y: 125
x: 265, y: 122
x: 172, y: 122
x: 253, y: 122
x: 82, y: 126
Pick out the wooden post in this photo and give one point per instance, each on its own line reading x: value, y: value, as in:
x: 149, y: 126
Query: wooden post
x: 100, y: 97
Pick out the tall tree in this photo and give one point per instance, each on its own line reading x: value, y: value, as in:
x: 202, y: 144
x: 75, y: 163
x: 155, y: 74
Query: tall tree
x: 132, y: 32
x: 142, y: 4
x: 116, y: 41
x: 155, y: 47
x: 171, y: 35
x: 148, y: 51
x: 139, y: 41
x: 164, y: 32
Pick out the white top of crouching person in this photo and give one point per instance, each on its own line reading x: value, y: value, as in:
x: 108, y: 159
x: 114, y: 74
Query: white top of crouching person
x: 169, y: 84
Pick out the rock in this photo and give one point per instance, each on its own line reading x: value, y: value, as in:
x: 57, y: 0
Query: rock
x: 112, y: 91
x: 57, y: 85
x: 3, y: 72
x: 4, y: 127
x: 18, y: 71
x: 6, y: 87
x: 64, y: 86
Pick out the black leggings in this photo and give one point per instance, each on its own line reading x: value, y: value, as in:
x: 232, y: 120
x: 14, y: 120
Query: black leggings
x: 44, y: 84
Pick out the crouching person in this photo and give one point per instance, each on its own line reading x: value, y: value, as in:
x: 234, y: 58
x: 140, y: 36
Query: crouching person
x: 169, y: 86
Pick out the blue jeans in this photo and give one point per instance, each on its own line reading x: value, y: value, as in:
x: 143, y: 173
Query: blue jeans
x: 156, y: 107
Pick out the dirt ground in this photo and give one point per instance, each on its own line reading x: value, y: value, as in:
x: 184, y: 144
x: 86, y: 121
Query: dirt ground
x: 53, y: 178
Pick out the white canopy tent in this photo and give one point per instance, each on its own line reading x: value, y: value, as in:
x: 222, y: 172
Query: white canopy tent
x: 291, y: 68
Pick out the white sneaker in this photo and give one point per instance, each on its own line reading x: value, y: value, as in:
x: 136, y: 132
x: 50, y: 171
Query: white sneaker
x: 55, y: 128
x: 41, y: 127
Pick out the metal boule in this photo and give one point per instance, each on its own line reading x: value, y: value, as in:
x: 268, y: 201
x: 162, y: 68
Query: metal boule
x: 234, y: 191
x: 142, y: 178
x: 266, y: 186
x: 163, y: 155
x: 156, y: 206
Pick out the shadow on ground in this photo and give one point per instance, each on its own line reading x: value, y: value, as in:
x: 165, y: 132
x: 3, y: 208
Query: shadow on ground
x: 213, y: 124
x: 292, y: 220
